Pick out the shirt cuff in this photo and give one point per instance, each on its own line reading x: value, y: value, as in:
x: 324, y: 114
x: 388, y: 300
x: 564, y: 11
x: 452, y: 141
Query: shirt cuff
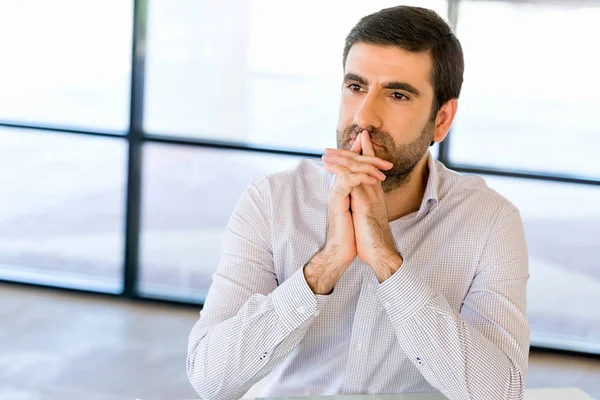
x: 294, y: 301
x: 403, y: 294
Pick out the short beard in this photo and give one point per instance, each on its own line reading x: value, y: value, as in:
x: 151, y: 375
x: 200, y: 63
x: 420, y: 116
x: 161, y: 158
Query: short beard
x: 404, y: 157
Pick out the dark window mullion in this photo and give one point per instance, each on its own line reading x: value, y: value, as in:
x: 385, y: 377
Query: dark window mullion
x: 55, y: 129
x: 135, y: 138
x: 444, y: 153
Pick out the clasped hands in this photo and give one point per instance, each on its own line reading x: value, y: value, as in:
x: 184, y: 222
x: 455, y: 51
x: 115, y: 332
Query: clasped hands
x: 357, y: 219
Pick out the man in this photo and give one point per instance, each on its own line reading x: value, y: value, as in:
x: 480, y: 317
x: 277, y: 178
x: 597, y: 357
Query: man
x: 376, y: 270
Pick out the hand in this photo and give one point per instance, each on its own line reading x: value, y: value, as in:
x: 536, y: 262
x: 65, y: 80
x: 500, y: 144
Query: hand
x: 352, y: 171
x: 374, y: 242
x: 339, y: 250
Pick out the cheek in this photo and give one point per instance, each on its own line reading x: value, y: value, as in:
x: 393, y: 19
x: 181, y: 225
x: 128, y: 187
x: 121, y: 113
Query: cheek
x: 404, y: 124
x: 400, y: 126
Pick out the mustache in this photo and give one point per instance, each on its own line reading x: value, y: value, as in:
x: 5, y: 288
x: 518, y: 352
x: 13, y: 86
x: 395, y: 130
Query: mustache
x: 378, y: 136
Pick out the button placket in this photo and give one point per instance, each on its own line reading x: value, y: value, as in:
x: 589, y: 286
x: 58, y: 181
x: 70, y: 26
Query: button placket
x: 359, y: 341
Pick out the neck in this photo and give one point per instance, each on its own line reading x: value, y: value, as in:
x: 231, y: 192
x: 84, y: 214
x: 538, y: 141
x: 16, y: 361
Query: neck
x: 407, y: 198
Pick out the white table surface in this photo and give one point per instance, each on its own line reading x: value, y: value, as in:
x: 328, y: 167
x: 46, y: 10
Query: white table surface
x: 530, y: 394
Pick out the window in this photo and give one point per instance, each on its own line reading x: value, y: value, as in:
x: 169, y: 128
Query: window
x: 62, y: 209
x: 188, y: 195
x: 267, y: 74
x: 66, y: 63
x: 261, y: 72
x: 562, y: 227
x: 529, y: 100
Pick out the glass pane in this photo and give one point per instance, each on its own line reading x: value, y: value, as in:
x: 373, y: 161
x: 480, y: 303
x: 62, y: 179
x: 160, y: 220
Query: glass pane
x: 188, y: 194
x: 562, y: 225
x: 261, y: 72
x: 66, y: 62
x: 62, y: 209
x: 530, y: 97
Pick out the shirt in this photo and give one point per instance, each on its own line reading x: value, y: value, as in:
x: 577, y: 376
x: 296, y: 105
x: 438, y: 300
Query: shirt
x: 451, y: 319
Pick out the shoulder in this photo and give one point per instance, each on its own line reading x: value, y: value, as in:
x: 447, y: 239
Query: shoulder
x: 307, y: 181
x: 307, y: 176
x: 473, y: 194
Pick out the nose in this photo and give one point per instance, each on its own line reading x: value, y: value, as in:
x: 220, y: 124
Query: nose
x: 367, y: 114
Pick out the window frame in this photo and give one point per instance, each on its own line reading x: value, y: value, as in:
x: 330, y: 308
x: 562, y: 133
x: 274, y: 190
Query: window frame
x: 136, y: 138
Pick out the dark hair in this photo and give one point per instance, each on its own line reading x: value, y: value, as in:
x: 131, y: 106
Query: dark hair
x: 416, y: 29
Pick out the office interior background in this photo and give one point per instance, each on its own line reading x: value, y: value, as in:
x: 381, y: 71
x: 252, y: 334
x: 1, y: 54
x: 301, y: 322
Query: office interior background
x: 129, y: 129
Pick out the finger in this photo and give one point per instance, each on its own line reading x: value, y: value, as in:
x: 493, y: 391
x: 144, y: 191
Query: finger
x: 349, y: 180
x: 356, y: 146
x: 355, y: 166
x: 376, y: 161
x: 338, y: 188
x: 366, y: 144
x: 336, y: 169
x: 374, y: 192
x: 356, y: 180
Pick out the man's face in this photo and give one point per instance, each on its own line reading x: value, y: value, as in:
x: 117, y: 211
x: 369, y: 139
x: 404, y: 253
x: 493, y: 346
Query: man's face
x: 388, y: 92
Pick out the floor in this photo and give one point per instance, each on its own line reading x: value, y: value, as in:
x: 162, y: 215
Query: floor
x: 58, y: 345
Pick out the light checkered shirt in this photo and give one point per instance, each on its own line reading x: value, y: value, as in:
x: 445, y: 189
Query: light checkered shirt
x: 451, y: 319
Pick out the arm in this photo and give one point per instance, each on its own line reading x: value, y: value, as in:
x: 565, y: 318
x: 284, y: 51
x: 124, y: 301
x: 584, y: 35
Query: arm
x: 248, y: 324
x: 480, y: 353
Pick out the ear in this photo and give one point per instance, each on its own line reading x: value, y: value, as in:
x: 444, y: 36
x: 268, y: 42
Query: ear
x: 443, y: 120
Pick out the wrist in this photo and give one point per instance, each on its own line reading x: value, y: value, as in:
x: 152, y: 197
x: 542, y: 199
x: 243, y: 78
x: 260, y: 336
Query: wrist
x: 313, y: 274
x: 387, y: 265
x: 321, y: 273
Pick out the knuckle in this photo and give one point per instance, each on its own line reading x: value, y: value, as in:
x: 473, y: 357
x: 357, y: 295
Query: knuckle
x: 345, y: 181
x: 353, y: 165
x: 341, y: 160
x: 366, y: 178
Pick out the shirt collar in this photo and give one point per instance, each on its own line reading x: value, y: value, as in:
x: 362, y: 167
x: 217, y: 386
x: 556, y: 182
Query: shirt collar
x: 430, y: 197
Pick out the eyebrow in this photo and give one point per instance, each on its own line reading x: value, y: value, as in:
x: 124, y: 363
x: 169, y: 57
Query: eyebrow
x: 407, y: 87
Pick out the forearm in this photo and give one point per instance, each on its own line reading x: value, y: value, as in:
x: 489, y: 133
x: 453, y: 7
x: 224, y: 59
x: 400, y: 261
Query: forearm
x: 456, y: 358
x: 227, y: 358
x: 452, y: 354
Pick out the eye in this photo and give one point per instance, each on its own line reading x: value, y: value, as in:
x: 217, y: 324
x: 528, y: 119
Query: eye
x: 400, y: 96
x: 354, y: 87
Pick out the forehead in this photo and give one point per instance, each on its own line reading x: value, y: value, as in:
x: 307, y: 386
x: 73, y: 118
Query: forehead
x: 378, y: 64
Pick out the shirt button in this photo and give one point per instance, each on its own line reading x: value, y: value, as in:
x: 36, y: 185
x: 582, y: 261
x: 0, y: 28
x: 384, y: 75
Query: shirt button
x: 301, y: 310
x: 387, y: 304
x: 358, y: 346
x: 317, y: 313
